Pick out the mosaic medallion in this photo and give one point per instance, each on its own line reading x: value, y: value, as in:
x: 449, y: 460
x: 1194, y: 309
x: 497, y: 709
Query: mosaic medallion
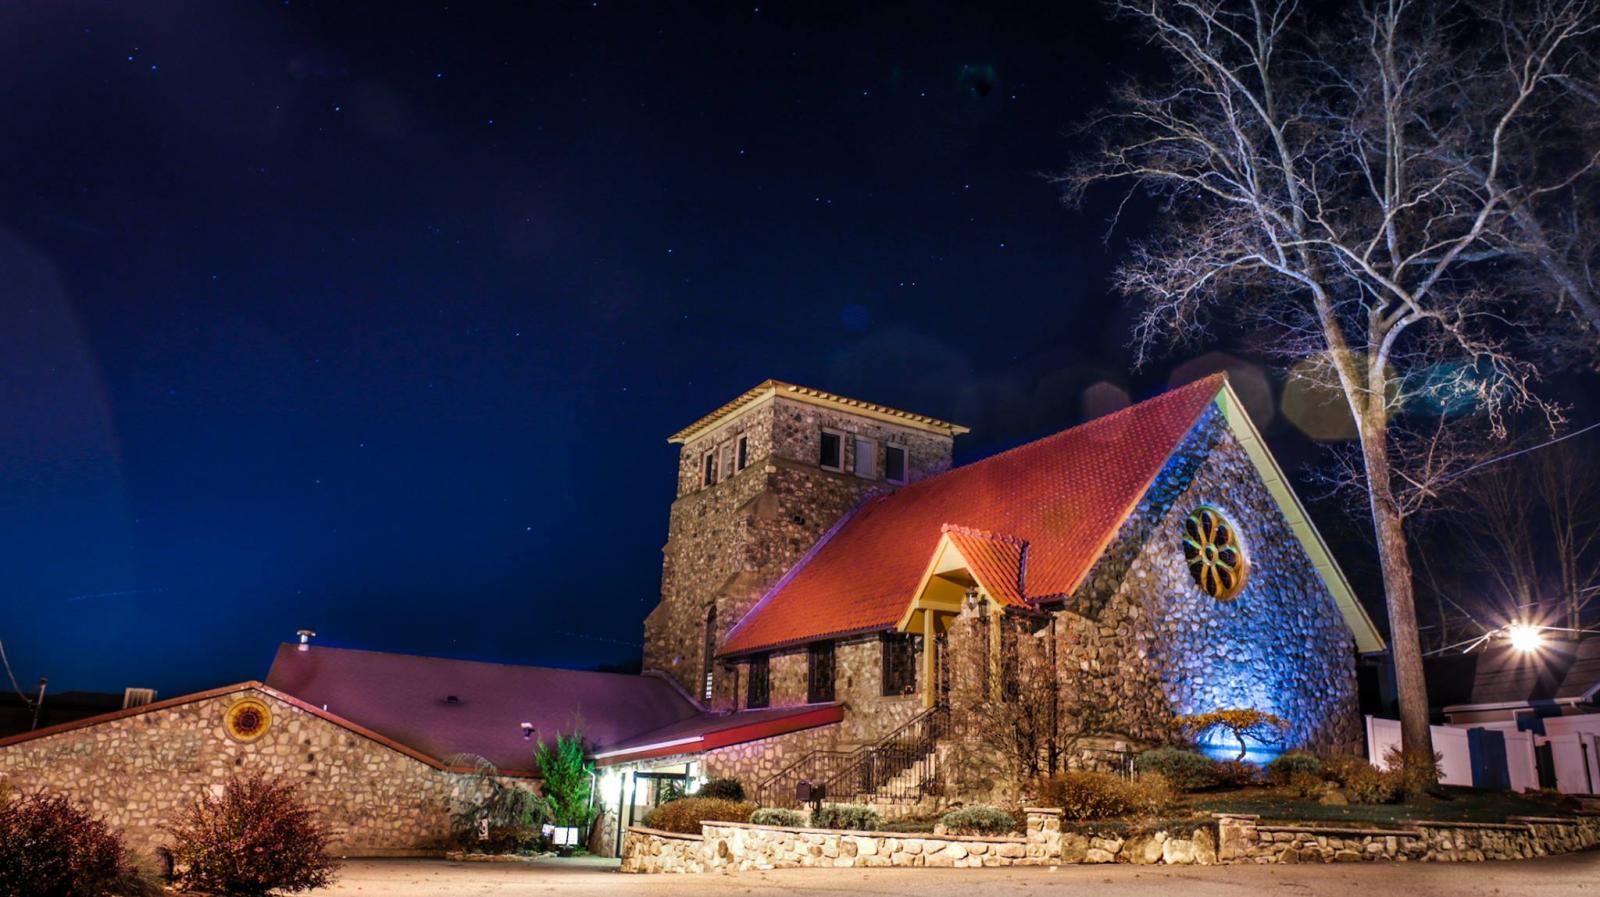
x: 1211, y: 548
x: 247, y: 720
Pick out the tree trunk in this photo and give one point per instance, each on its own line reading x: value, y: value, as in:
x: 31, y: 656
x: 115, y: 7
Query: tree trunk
x: 1394, y: 556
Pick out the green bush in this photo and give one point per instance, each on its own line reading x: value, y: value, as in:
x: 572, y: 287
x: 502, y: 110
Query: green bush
x: 1304, y: 784
x: 1284, y: 766
x: 685, y: 814
x: 853, y: 817
x: 778, y: 816
x: 1339, y: 769
x: 978, y: 820
x: 1103, y: 795
x: 1365, y: 784
x: 722, y: 789
x: 1184, y: 770
x: 909, y: 825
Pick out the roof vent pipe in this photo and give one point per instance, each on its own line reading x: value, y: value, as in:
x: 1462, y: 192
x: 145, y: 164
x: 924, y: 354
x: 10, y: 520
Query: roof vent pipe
x: 306, y: 636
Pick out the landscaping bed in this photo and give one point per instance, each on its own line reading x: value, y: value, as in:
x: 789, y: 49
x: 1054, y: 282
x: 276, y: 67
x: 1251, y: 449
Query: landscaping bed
x: 1453, y: 805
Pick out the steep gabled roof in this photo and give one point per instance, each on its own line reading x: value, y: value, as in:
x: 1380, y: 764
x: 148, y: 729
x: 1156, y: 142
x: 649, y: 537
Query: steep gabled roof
x: 1039, y: 516
x: 1065, y: 495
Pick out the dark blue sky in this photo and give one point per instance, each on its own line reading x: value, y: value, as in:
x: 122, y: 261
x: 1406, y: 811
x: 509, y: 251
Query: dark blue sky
x: 375, y: 318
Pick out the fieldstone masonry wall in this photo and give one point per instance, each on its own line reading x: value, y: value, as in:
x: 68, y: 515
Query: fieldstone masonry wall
x: 737, y: 847
x: 138, y: 771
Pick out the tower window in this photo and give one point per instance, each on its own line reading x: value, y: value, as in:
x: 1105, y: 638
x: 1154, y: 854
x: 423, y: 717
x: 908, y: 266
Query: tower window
x: 710, y: 653
x: 899, y: 664
x: 819, y: 673
x: 832, y: 451
x: 866, y: 458
x: 743, y: 453
x: 726, y: 460
x: 894, y: 463
x: 708, y: 475
x: 759, y: 694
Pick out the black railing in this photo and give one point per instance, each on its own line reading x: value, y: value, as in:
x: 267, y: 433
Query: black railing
x: 902, y: 767
x: 817, y: 766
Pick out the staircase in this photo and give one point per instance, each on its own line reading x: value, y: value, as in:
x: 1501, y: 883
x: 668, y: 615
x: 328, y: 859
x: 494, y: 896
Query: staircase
x: 895, y: 774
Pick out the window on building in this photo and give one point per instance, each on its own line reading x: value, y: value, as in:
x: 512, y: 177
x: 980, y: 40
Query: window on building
x: 899, y: 664
x: 866, y: 458
x: 1216, y: 559
x: 742, y: 454
x: 759, y: 693
x: 708, y: 474
x: 725, y: 463
x: 819, y: 673
x: 832, y: 451
x: 894, y: 463
x: 710, y: 652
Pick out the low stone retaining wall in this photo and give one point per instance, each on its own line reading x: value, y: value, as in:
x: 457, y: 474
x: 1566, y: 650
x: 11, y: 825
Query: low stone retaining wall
x: 1245, y: 839
x: 736, y: 847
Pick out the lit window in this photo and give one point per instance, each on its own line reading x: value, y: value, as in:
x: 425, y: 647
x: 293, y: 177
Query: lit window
x: 1215, y: 557
x: 743, y: 453
x: 710, y: 653
x: 899, y: 664
x: 819, y: 673
x: 832, y: 451
x: 708, y: 474
x: 894, y: 463
x: 758, y: 694
x: 866, y: 458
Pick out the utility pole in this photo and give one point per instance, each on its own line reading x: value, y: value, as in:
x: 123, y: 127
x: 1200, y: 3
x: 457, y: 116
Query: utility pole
x: 38, y: 703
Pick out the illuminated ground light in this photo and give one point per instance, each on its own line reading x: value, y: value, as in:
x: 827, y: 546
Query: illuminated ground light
x: 1219, y: 745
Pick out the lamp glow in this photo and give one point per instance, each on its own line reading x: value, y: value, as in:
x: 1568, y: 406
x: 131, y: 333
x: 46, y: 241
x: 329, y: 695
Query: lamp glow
x: 1524, y: 637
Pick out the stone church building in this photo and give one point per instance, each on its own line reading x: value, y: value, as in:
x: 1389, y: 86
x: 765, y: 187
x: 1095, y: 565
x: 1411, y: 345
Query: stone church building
x: 836, y: 599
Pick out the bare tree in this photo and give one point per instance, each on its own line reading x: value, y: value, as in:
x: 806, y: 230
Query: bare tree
x: 1354, y: 186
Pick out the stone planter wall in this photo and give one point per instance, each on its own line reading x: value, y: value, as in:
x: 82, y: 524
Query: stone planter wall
x: 737, y: 847
x: 1244, y: 839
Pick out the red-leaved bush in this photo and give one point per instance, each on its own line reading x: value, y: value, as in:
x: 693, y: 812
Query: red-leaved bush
x: 257, y: 837
x: 50, y: 848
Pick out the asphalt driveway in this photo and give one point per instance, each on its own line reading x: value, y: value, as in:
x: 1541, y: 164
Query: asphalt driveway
x: 1567, y: 875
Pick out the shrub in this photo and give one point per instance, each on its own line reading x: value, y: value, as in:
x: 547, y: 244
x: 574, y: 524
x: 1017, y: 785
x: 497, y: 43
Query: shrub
x: 1304, y: 784
x: 50, y: 848
x: 1414, y: 772
x: 1340, y: 768
x: 568, y: 781
x: 257, y: 837
x: 1184, y: 770
x: 1103, y: 795
x: 1236, y: 773
x: 978, y: 820
x: 846, y: 816
x: 502, y: 839
x: 909, y: 825
x: 778, y: 816
x: 1364, y: 784
x: 1284, y: 766
x: 685, y: 814
x: 722, y: 789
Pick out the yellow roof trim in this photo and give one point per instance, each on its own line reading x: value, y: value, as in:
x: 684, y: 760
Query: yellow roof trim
x: 1368, y: 641
x: 770, y: 389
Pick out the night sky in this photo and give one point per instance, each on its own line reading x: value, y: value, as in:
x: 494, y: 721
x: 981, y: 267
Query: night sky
x: 375, y: 319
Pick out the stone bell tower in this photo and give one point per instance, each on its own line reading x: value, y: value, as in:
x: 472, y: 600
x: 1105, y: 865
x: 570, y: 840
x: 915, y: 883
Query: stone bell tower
x: 760, y: 480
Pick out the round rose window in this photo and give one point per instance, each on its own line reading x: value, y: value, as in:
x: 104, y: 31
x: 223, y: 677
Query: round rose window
x: 1211, y: 547
x: 247, y: 720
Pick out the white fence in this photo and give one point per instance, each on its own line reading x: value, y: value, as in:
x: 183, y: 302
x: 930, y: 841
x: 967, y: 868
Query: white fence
x: 1574, y: 743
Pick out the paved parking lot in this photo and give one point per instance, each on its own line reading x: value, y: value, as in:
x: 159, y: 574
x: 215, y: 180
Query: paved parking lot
x: 1569, y: 875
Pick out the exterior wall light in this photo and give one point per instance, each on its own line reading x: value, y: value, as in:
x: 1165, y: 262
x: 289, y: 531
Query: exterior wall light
x: 1525, y: 637
x: 527, y: 731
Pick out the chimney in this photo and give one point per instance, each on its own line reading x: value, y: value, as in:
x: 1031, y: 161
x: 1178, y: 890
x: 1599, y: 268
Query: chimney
x: 306, y: 636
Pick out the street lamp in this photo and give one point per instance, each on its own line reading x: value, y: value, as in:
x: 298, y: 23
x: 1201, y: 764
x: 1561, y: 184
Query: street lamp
x: 1525, y: 638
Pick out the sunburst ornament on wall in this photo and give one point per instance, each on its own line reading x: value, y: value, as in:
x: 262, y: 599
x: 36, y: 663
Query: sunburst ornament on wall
x: 1215, y: 557
x: 247, y: 720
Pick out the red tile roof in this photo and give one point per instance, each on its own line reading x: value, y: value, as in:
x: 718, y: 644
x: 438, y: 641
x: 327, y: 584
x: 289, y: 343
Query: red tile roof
x: 1064, y: 495
x: 996, y: 561
x: 714, y: 730
x: 405, y: 698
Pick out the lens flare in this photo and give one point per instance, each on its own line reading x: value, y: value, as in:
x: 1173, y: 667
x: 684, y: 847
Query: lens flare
x: 1525, y: 637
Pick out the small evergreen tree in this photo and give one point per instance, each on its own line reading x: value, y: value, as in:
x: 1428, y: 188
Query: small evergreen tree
x: 568, y: 780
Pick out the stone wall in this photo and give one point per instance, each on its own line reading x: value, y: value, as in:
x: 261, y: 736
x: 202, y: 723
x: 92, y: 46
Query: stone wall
x: 1245, y: 839
x: 738, y: 847
x: 857, y: 683
x: 136, y: 772
x: 729, y: 542
x: 1159, y: 646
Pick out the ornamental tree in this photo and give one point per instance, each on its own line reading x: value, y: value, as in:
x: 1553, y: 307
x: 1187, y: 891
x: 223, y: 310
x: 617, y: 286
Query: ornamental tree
x: 1241, y: 723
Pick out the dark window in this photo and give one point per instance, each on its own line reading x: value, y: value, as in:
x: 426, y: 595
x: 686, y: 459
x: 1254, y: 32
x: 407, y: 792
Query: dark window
x: 894, y: 464
x: 819, y: 674
x: 757, y: 695
x: 832, y: 451
x: 744, y: 452
x: 726, y: 464
x: 899, y: 664
x: 710, y: 651
x: 709, y: 475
